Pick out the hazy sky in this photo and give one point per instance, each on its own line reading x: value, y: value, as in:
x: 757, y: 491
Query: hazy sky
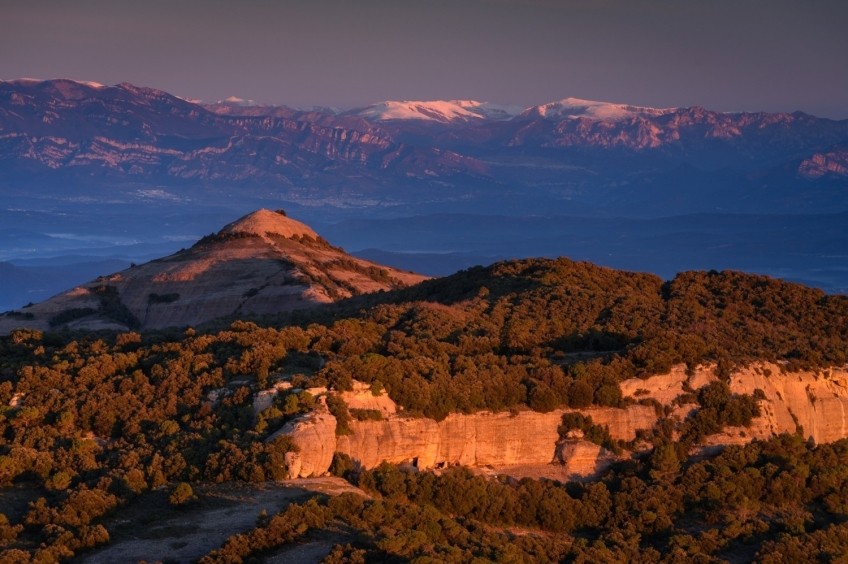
x: 775, y: 55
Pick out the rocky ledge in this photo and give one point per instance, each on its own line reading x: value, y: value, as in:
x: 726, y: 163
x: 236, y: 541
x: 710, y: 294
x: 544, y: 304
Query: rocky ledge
x: 527, y: 443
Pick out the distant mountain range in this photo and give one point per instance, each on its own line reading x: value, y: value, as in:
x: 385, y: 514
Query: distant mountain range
x: 593, y: 154
x: 146, y: 170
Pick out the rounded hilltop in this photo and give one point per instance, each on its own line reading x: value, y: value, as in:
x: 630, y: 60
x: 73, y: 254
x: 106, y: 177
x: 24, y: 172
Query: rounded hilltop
x: 265, y: 221
x: 262, y: 264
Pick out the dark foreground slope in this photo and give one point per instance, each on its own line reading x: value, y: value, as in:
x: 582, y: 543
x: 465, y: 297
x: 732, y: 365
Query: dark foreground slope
x: 96, y: 423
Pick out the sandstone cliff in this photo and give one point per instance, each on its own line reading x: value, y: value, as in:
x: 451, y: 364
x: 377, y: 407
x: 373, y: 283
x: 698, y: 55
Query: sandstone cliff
x: 315, y: 436
x: 527, y: 443
x: 815, y: 401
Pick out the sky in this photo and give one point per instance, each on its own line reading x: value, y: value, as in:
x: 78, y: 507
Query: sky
x: 729, y: 55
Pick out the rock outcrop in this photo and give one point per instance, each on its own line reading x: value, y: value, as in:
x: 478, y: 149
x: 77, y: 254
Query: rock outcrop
x: 813, y: 401
x: 832, y: 163
x: 361, y: 397
x: 315, y: 437
x: 499, y: 440
x: 527, y: 443
x: 581, y: 459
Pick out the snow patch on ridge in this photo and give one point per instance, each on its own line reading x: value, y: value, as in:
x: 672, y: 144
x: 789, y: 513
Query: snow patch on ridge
x: 578, y: 108
x: 236, y: 101
x: 447, y: 111
x: 435, y: 110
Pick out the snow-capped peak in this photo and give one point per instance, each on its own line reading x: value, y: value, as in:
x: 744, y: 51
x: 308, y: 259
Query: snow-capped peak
x: 578, y: 108
x: 435, y: 110
x: 92, y: 84
x: 236, y: 101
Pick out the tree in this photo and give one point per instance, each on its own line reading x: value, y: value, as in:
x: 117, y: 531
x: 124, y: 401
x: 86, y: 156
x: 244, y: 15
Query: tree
x: 181, y: 495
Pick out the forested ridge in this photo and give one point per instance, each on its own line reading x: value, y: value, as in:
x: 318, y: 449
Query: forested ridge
x: 92, y: 421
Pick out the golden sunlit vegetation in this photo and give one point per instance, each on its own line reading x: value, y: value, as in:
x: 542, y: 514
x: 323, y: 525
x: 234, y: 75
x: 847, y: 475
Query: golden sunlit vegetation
x: 777, y: 501
x: 90, y: 421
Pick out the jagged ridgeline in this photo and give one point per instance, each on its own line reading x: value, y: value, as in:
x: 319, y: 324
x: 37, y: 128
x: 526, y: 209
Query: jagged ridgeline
x: 95, y: 420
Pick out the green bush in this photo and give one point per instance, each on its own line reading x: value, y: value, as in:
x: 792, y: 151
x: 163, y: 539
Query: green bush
x: 338, y: 408
x: 366, y: 414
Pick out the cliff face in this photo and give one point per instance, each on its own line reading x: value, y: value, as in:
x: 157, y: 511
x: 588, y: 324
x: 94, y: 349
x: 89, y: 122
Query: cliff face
x: 315, y: 436
x: 497, y: 440
x: 815, y: 401
x: 527, y: 443
x: 481, y: 439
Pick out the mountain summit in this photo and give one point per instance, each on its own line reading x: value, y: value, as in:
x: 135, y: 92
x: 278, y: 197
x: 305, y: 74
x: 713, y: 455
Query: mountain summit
x: 572, y: 108
x: 266, y: 223
x: 263, y: 263
x: 443, y: 111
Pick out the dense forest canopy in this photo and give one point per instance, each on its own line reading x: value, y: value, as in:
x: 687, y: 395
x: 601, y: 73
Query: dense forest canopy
x: 91, y: 421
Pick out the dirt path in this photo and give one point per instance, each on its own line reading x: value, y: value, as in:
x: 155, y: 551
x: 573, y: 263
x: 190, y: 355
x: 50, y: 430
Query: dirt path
x: 151, y: 530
